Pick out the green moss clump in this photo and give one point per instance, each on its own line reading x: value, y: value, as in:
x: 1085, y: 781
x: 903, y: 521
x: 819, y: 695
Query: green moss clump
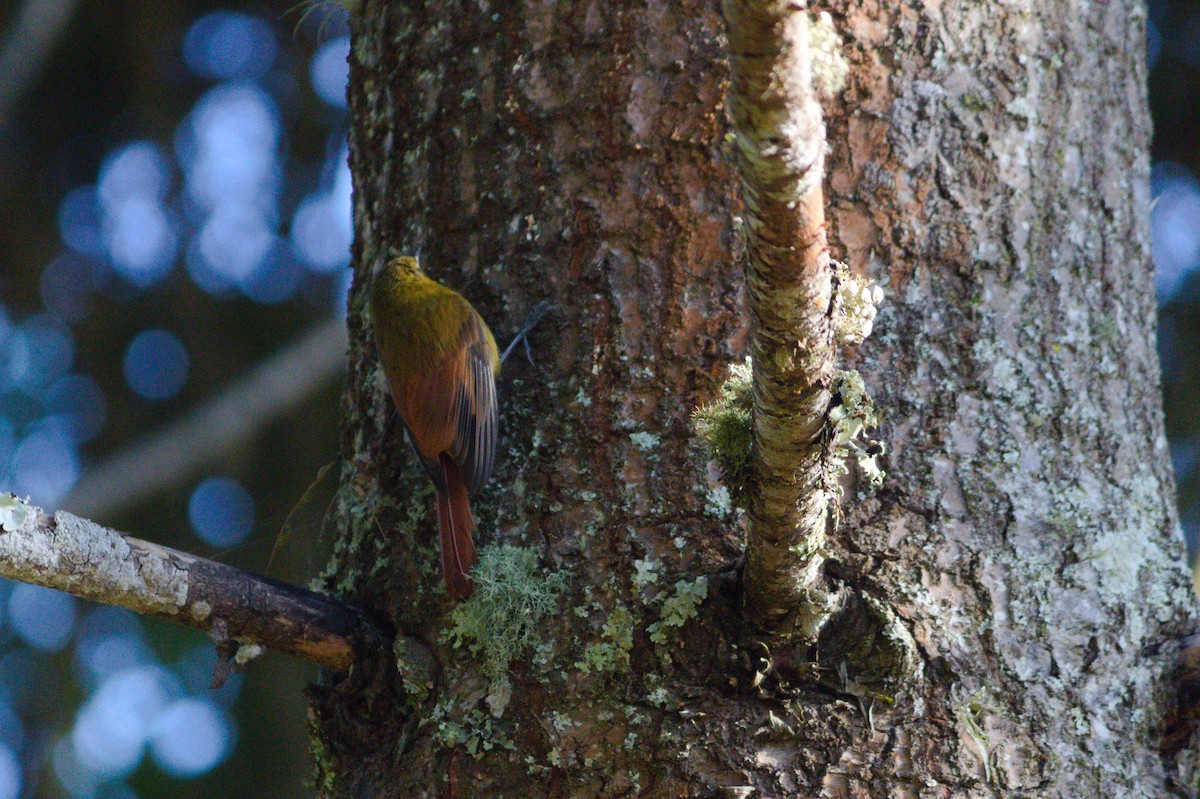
x: 725, y: 426
x: 512, y: 594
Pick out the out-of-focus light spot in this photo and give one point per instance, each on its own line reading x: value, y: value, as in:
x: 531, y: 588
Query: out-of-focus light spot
x: 42, y: 350
x: 329, y: 71
x: 22, y: 678
x: 139, y: 234
x: 113, y: 726
x: 156, y: 365
x: 322, y: 228
x: 20, y: 409
x: 67, y: 284
x: 7, y: 332
x: 190, y: 737
x: 1174, y: 226
x: 41, y: 617
x: 75, y: 778
x: 1184, y: 454
x: 79, y: 401
x: 232, y: 246
x: 8, y: 448
x: 342, y: 191
x: 228, y: 148
x: 109, y: 641
x: 221, y: 512
x: 142, y: 239
x: 116, y: 790
x: 80, y: 221
x: 318, y: 235
x: 10, y: 773
x: 226, y: 45
x: 45, y: 465
x: 276, y: 279
x: 1190, y: 525
x: 12, y: 730
x: 107, y: 620
x: 1170, y: 356
x: 136, y: 169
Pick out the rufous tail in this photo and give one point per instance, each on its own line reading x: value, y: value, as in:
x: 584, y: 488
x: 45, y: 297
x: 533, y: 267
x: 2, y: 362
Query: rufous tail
x: 455, y: 526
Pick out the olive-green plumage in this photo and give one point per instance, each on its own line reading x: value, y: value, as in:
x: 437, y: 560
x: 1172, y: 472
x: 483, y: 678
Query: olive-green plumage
x: 441, y: 362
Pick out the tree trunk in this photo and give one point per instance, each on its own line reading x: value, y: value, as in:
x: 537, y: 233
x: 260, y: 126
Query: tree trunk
x: 988, y: 163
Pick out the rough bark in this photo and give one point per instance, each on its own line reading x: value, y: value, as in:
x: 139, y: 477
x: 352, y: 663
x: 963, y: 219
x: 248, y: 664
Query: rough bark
x: 988, y: 162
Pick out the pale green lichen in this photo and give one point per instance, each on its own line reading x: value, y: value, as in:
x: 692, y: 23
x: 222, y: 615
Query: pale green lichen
x: 324, y: 774
x: 858, y: 300
x: 659, y: 697
x: 852, y: 415
x: 829, y: 66
x: 971, y: 713
x: 718, y: 501
x: 725, y: 427
x: 612, y: 654
x: 15, y: 513
x: 645, y: 573
x: 476, y: 734
x: 512, y: 594
x: 679, y: 608
x: 646, y: 442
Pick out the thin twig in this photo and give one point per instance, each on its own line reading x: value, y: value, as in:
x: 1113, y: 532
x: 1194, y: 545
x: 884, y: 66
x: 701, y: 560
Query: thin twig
x: 779, y: 139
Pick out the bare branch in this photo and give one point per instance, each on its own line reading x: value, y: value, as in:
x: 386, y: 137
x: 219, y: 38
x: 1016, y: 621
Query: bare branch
x: 87, y: 560
x: 274, y: 387
x: 780, y: 140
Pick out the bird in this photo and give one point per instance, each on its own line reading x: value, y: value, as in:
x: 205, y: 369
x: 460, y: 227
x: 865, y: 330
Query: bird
x: 441, y: 363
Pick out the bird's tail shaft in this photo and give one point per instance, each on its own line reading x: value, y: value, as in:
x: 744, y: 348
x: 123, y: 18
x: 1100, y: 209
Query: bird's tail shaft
x: 455, y: 526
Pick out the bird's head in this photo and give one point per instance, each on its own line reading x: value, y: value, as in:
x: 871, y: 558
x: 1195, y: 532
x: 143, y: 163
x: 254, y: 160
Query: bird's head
x: 406, y: 264
x: 397, y: 267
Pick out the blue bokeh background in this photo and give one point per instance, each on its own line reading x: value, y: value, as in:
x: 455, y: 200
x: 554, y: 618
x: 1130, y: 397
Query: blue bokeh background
x: 177, y: 209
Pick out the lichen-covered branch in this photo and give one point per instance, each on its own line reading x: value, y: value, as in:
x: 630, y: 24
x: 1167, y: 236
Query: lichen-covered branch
x: 94, y: 562
x: 779, y: 139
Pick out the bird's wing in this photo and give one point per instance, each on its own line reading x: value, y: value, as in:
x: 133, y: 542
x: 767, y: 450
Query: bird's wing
x: 475, y: 414
x: 453, y: 408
